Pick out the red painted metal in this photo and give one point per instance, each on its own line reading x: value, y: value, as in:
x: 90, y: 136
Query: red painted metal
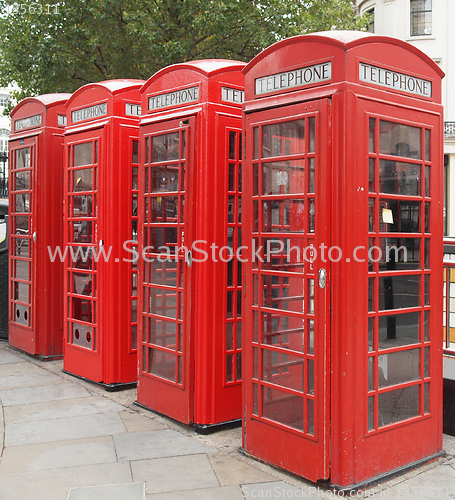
x: 189, y: 191
x: 36, y: 182
x: 100, y: 222
x: 357, y: 393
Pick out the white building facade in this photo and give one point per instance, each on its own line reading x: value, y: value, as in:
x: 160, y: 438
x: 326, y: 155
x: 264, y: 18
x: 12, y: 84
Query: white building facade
x: 428, y: 25
x: 5, y: 127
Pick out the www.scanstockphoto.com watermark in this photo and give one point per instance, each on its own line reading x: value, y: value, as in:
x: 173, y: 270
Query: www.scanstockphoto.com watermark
x: 399, y: 491
x: 202, y: 251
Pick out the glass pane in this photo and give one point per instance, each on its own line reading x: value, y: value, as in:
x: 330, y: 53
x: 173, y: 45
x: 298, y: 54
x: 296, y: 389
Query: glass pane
x: 282, y: 369
x: 283, y: 178
x: 282, y: 407
x: 426, y: 397
x: 165, y: 179
x: 396, y: 292
x: 398, y: 367
x: 23, y: 158
x: 255, y: 143
x: 283, y: 216
x: 283, y: 331
x: 82, y: 232
x: 398, y: 329
x: 427, y: 145
x: 21, y: 271
x: 82, y: 206
x: 394, y: 406
x: 283, y: 139
x: 371, y: 137
x: 162, y: 364
x: 21, y: 225
x: 83, y: 179
x: 135, y: 152
x: 371, y: 374
x: 427, y: 180
x: 282, y: 254
x: 22, y: 180
x: 163, y: 302
x: 312, y: 138
x: 81, y: 309
x: 232, y: 148
x: 370, y: 334
x: 399, y: 140
x: 22, y: 202
x: 21, y: 292
x: 371, y: 216
x: 399, y: 178
x: 162, y: 332
x: 163, y: 273
x: 283, y: 292
x: 371, y: 413
x: 371, y: 177
x: 399, y: 254
x: 371, y: 298
x: 83, y: 154
x: 311, y: 182
x: 82, y: 283
x: 166, y: 147
x: 397, y: 216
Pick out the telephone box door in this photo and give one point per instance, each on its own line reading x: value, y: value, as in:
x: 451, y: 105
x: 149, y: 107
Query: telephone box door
x: 166, y: 368
x: 22, y: 268
x: 84, y: 248
x: 287, y: 320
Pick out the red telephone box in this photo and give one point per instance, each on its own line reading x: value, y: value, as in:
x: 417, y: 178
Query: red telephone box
x: 342, y: 317
x: 36, y: 181
x: 100, y: 285
x: 190, y: 203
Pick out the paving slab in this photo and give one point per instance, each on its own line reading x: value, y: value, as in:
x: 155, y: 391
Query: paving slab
x: 231, y: 471
x: 28, y: 395
x: 64, y: 408
x: 438, y: 482
x: 131, y: 491
x: 156, y: 444
x: 175, y: 473
x: 135, y: 422
x: 277, y: 489
x: 56, y: 484
x: 101, y: 424
x: 222, y: 493
x: 18, y: 459
x: 8, y: 357
x: 14, y: 378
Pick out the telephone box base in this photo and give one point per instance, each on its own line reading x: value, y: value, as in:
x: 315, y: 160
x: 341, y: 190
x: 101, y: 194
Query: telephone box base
x: 107, y: 387
x: 346, y: 491
x: 52, y: 357
x: 211, y: 428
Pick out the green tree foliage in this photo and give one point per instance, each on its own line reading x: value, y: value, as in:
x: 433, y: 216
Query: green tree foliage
x: 59, y: 46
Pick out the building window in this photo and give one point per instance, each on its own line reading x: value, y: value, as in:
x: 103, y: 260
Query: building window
x: 370, y: 14
x: 420, y: 17
x: 4, y: 100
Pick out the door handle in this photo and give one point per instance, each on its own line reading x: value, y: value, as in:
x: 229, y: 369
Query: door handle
x: 189, y: 258
x: 100, y: 244
x: 34, y: 236
x: 322, y: 278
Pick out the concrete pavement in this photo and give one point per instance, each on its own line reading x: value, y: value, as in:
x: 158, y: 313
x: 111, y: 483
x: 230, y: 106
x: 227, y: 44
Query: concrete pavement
x: 65, y: 439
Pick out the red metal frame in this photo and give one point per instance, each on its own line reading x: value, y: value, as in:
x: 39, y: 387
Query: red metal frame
x: 190, y: 193
x: 399, y: 406
x: 36, y: 181
x: 100, y: 221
